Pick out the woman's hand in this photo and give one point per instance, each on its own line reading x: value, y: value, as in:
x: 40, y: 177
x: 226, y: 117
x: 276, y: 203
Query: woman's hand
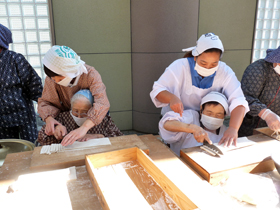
x: 50, y: 123
x: 174, y: 102
x: 90, y: 136
x: 271, y: 119
x: 230, y: 136
x: 176, y: 105
x: 59, y: 132
x: 74, y: 135
x: 200, y: 135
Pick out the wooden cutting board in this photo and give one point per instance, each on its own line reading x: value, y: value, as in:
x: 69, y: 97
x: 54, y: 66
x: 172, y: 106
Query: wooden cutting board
x: 77, y: 157
x: 251, y: 159
x: 265, y: 130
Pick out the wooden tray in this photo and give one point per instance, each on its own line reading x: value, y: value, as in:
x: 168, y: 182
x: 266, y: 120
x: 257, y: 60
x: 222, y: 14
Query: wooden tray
x: 77, y: 157
x: 252, y: 159
x: 128, y: 179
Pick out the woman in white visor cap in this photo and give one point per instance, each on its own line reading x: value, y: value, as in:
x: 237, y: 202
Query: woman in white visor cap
x: 193, y: 127
x: 188, y: 79
x: 66, y: 75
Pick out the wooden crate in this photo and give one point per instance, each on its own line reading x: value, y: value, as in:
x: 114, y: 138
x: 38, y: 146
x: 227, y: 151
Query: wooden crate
x: 120, y: 181
x: 252, y: 159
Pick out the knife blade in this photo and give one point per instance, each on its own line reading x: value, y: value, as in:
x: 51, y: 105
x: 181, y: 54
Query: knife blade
x: 211, y: 148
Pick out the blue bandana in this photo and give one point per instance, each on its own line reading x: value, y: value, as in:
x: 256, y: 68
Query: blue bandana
x: 5, y: 37
x: 87, y: 94
x: 273, y: 55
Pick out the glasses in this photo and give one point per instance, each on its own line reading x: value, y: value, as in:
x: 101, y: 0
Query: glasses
x: 81, y: 115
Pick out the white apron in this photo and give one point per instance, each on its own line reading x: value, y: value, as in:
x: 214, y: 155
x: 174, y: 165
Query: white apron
x: 178, y: 81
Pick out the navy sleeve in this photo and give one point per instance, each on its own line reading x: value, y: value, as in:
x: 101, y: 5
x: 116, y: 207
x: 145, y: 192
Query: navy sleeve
x: 30, y: 80
x: 252, y: 84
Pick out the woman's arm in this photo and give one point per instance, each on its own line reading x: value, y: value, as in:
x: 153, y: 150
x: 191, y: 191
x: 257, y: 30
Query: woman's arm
x: 252, y: 84
x: 174, y: 102
x: 176, y: 126
x: 77, y: 133
x: 49, y: 103
x: 101, y: 103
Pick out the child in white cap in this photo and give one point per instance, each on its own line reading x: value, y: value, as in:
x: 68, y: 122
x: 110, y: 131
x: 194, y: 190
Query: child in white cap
x: 189, y: 79
x: 67, y: 74
x: 193, y: 127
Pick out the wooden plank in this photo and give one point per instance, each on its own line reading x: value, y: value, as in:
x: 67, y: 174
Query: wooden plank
x: 30, y: 185
x: 77, y: 158
x: 110, y: 158
x: 252, y: 159
x: 119, y: 190
x: 170, y: 188
x: 15, y: 164
x: 265, y: 130
x: 81, y: 191
x: 95, y: 185
x: 148, y: 187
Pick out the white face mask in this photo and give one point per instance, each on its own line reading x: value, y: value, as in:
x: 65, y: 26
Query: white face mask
x: 211, y: 123
x: 277, y: 69
x: 78, y: 121
x: 205, y: 72
x: 65, y: 82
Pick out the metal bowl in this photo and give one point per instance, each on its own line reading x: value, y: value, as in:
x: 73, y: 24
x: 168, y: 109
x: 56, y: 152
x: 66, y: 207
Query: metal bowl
x: 8, y: 146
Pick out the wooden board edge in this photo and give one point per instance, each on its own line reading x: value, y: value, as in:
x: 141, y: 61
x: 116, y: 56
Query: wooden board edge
x: 94, y: 183
x: 196, y: 167
x: 113, y: 157
x: 261, y: 167
x: 147, y: 151
x: 57, y: 166
x: 168, y: 186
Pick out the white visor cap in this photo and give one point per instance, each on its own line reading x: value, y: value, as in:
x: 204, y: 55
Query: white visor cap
x: 216, y: 97
x: 205, y: 42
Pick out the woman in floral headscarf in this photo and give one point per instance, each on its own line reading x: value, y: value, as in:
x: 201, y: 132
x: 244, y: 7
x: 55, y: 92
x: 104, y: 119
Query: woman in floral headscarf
x: 67, y: 74
x: 19, y: 85
x: 261, y: 84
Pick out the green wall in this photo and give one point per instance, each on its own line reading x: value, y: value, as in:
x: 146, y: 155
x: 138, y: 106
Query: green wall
x: 100, y: 32
x: 234, y: 22
x: 131, y: 42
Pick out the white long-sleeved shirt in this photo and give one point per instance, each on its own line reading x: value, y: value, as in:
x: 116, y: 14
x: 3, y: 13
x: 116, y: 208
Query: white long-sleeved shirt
x: 181, y: 140
x: 177, y: 80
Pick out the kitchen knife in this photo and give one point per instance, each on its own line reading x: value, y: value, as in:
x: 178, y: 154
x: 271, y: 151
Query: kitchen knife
x: 211, y: 149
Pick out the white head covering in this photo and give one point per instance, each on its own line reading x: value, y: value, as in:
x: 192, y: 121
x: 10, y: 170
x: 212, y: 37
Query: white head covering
x: 64, y: 61
x: 205, y: 42
x: 217, y: 97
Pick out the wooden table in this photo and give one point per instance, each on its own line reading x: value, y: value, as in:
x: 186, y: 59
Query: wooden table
x: 81, y: 192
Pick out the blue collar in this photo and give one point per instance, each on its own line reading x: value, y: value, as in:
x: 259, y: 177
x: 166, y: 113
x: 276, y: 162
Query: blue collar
x: 197, y: 80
